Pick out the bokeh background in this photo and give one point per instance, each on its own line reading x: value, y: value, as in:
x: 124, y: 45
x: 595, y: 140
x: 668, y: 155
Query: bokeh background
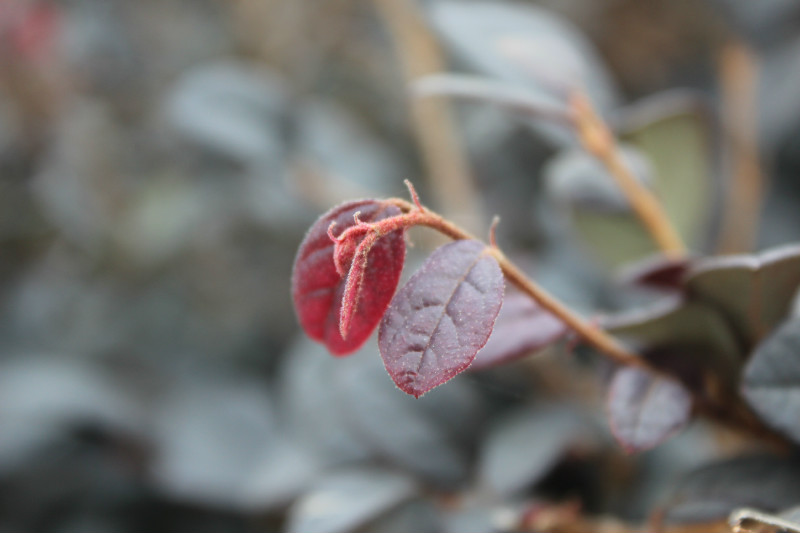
x: 160, y: 161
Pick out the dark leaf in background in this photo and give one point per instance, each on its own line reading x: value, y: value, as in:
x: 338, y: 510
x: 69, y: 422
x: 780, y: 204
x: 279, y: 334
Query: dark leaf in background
x: 699, y: 339
x: 779, y: 105
x: 283, y: 472
x: 657, y: 272
x: 526, y: 444
x: 522, y: 327
x: 755, y: 292
x: 317, y: 287
x: 232, y: 109
x: 710, y: 493
x: 645, y: 409
x: 311, y: 404
x: 426, y: 436
x: 209, y: 438
x: 348, y: 410
x: 771, y: 382
x: 346, y: 160
x: 661, y: 468
x: 230, y: 118
x: 347, y: 500
x: 43, y: 398
x: 527, y: 46
x: 439, y: 320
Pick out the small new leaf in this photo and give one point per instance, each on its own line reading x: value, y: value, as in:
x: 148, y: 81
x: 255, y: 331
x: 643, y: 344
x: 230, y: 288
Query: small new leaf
x: 441, y: 318
x: 318, y: 286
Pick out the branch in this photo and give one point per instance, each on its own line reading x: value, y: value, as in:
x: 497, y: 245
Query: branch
x: 598, y: 140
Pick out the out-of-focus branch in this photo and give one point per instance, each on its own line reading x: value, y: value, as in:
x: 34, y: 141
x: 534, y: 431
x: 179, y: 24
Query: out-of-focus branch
x: 738, y: 73
x: 593, y: 133
x: 441, y: 149
x: 597, y: 139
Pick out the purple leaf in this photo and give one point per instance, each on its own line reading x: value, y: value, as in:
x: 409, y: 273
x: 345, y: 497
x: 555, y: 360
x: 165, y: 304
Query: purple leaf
x: 440, y: 319
x: 645, y: 409
x: 521, y: 328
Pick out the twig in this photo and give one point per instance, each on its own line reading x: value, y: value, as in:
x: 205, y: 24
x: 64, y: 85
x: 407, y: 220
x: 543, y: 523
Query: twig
x: 731, y: 411
x: 598, y: 140
x: 433, y: 122
x: 594, y: 134
x: 738, y: 72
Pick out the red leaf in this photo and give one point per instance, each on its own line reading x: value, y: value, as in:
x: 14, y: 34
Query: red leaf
x: 645, y: 409
x: 441, y: 318
x: 318, y: 289
x: 522, y: 327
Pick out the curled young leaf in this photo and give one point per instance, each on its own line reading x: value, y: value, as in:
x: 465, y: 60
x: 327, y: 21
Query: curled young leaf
x: 441, y: 318
x: 318, y: 287
x: 645, y: 409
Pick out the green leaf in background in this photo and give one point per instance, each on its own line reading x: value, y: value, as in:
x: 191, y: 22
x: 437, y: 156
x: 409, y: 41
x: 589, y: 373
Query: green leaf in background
x: 755, y: 292
x: 674, y: 134
x: 674, y: 130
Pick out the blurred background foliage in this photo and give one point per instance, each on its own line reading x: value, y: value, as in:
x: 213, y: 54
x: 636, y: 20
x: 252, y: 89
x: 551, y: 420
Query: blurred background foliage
x: 160, y: 161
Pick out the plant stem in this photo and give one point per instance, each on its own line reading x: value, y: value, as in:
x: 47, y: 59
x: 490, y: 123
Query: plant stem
x: 598, y: 140
x: 588, y: 332
x: 593, y: 133
x: 728, y: 410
